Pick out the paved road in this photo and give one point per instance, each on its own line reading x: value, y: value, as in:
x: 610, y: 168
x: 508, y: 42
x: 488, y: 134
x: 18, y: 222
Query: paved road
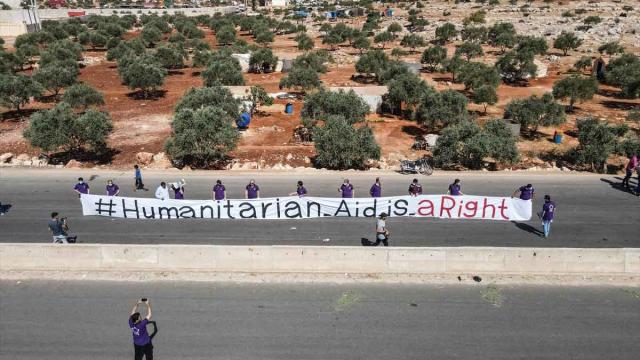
x: 591, y: 212
x: 87, y: 320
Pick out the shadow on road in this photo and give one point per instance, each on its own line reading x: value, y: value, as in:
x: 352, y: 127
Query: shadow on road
x: 366, y: 242
x: 4, y: 208
x: 528, y: 228
x: 618, y: 185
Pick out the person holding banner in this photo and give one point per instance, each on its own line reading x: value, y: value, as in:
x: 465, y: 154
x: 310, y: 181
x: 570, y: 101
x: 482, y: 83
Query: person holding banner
x: 415, y: 188
x: 526, y: 192
x: 252, y: 191
x: 346, y: 189
x: 162, y: 192
x: 178, y: 189
x: 376, y: 189
x: 81, y: 187
x: 382, y: 234
x: 219, y: 191
x: 455, y: 188
x: 112, y: 189
x: 300, y: 190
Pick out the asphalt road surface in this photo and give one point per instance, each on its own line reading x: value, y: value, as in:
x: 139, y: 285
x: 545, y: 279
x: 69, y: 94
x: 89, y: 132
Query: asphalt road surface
x: 88, y: 320
x: 591, y: 212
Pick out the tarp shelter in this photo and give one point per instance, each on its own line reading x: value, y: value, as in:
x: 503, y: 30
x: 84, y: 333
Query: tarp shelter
x: 330, y: 15
x: 372, y: 95
x: 279, y: 3
x: 243, y: 59
x: 301, y: 13
x: 356, y: 12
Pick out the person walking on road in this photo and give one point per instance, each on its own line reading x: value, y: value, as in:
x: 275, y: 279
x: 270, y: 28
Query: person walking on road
x: 382, y: 234
x: 631, y: 166
x: 415, y: 188
x: 376, y: 189
x: 162, y: 192
x: 141, y: 340
x: 548, y: 210
x: 219, y: 191
x: 59, y: 228
x: 252, y: 191
x: 300, y: 190
x: 455, y: 189
x: 112, y: 189
x: 139, y: 185
x: 525, y: 192
x: 346, y: 189
x: 81, y: 187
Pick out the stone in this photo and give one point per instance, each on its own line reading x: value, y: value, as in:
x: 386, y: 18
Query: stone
x: 6, y: 157
x: 144, y: 158
x: 73, y: 164
x: 23, y: 157
x: 160, y: 161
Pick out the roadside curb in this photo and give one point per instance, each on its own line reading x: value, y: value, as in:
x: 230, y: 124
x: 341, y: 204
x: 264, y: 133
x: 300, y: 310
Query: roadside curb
x: 331, y: 264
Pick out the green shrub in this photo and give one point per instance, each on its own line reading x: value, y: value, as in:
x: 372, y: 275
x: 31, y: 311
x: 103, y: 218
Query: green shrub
x: 216, y: 96
x: 81, y: 95
x: 340, y: 146
x: 324, y: 104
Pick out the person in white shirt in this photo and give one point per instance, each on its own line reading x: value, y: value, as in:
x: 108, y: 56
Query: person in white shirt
x: 162, y: 192
x: 382, y: 234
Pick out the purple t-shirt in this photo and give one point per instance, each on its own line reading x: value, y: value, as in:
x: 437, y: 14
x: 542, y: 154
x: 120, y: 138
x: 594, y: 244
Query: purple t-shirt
x: 376, y: 190
x: 218, y: 191
x: 301, y: 191
x: 139, y: 332
x: 454, y: 189
x: 415, y: 189
x: 526, y: 193
x: 112, y: 189
x: 548, y: 209
x: 178, y: 194
x: 252, y: 191
x: 83, y: 188
x: 346, y: 190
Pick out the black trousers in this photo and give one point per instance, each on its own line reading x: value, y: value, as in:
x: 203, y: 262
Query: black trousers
x: 143, y: 350
x: 625, y: 181
x: 139, y: 184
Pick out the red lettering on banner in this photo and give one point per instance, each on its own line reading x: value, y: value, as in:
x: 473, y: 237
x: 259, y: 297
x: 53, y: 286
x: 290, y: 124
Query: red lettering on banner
x: 460, y: 208
x: 443, y: 208
x: 429, y: 208
x: 502, y: 208
x: 484, y: 210
x: 471, y: 206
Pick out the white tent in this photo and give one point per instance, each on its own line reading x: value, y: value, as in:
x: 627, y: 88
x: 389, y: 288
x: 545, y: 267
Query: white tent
x: 372, y: 95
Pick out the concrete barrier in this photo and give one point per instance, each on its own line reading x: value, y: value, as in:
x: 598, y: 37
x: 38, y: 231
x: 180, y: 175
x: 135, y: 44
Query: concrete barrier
x: 355, y: 262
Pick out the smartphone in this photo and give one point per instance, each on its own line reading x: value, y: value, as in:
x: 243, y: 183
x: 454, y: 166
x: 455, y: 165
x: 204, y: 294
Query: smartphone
x: 143, y: 299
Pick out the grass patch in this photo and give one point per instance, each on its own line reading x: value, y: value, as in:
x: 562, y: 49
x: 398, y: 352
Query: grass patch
x: 347, y: 299
x: 492, y: 295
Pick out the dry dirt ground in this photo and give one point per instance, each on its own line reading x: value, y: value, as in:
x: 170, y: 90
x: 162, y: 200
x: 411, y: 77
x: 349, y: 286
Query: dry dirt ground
x: 145, y: 125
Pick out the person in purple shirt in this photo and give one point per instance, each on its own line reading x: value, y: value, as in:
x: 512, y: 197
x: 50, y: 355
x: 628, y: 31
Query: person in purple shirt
x: 178, y: 189
x: 415, y: 188
x: 526, y: 192
x: 252, y: 191
x: 455, y: 188
x: 219, y: 191
x: 141, y: 340
x: 112, y: 189
x: 346, y: 189
x: 548, y: 211
x: 300, y: 190
x: 81, y: 187
x: 376, y: 189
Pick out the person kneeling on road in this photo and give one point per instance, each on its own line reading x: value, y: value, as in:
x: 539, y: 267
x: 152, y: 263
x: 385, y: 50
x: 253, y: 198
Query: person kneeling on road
x: 382, y: 234
x: 59, y: 228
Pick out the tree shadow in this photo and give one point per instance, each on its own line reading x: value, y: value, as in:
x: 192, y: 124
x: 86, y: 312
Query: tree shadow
x: 608, y: 93
x: 103, y: 158
x: 48, y: 99
x: 528, y: 228
x: 175, y: 72
x: 621, y: 105
x: 366, y: 242
x: 442, y: 79
x: 412, y: 130
x: 147, y: 95
x: 16, y: 116
x: 196, y: 73
x: 618, y: 186
x: 363, y: 79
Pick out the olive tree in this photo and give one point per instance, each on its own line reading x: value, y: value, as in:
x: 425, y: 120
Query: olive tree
x: 258, y: 96
x: 340, y: 146
x: 17, y: 90
x: 55, y: 76
x: 442, y: 108
x: 324, y: 103
x: 576, y: 88
x: 567, y: 41
x: 216, y: 96
x: 445, y: 32
x: 535, y: 111
x: 225, y: 71
x: 434, y: 56
x: 81, y: 95
x: 263, y: 60
x: 202, y: 138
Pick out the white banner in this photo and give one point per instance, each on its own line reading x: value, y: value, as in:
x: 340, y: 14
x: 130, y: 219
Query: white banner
x: 435, y: 206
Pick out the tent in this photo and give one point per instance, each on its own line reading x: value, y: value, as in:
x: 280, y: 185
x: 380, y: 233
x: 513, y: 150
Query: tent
x: 372, y: 95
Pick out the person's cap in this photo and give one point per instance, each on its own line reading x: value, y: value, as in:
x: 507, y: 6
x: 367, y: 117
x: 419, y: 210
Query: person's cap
x: 529, y: 185
x: 547, y: 197
x: 80, y: 179
x: 383, y: 215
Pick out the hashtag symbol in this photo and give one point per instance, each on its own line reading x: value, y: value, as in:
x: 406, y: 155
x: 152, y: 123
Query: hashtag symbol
x: 102, y: 207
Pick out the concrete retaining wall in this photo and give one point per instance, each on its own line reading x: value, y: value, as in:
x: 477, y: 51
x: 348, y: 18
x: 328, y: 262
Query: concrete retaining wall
x: 443, y: 262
